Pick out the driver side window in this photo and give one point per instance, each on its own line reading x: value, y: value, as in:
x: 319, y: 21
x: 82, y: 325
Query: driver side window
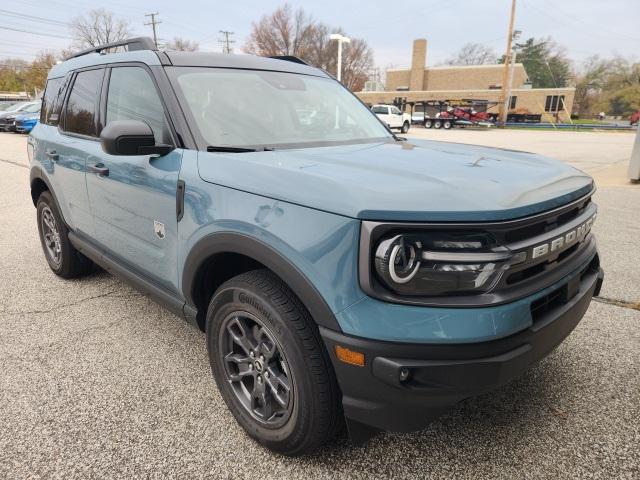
x: 133, y: 96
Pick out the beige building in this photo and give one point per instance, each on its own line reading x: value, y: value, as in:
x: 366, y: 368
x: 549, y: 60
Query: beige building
x: 480, y: 82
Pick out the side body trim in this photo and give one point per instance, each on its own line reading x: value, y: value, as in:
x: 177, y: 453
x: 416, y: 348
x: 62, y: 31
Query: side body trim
x: 167, y: 299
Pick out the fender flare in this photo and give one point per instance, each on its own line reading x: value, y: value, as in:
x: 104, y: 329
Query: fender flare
x: 37, y: 173
x: 239, y: 243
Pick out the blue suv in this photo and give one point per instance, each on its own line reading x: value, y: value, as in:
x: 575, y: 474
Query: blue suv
x: 343, y: 275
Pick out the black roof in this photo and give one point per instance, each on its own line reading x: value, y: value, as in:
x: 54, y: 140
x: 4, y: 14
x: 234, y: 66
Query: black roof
x: 252, y: 62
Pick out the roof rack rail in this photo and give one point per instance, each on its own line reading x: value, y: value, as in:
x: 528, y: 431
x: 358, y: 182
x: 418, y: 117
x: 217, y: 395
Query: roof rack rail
x: 289, y: 58
x: 137, y: 43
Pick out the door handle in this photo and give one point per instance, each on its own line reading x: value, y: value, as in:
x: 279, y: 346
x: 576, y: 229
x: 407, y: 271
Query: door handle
x: 52, y: 154
x: 100, y: 169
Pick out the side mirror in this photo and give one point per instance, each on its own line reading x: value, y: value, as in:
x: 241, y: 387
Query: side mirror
x: 131, y: 137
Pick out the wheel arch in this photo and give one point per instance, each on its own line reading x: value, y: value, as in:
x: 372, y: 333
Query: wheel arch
x: 208, y: 265
x: 39, y: 183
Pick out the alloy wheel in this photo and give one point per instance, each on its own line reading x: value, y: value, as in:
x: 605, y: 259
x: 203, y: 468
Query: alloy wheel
x: 51, y: 235
x: 256, y: 369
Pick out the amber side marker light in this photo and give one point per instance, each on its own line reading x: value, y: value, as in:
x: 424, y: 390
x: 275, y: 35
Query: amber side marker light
x: 349, y: 356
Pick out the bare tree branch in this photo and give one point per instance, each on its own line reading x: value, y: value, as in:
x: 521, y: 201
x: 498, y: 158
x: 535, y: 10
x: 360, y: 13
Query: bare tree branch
x: 182, y: 45
x: 473, y: 54
x: 98, y: 27
x: 285, y: 32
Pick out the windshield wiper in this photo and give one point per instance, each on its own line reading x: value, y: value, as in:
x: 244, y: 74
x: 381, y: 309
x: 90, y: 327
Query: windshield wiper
x: 217, y: 148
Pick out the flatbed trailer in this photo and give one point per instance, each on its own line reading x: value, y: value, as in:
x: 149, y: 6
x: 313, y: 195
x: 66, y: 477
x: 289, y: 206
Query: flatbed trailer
x: 449, y: 113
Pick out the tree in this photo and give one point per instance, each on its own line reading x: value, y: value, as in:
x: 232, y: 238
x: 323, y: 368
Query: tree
x: 590, y: 81
x: 473, y: 54
x: 98, y: 27
x: 182, y: 45
x: 285, y: 32
x: 12, y: 75
x: 36, y: 73
x: 545, y: 62
x: 621, y: 89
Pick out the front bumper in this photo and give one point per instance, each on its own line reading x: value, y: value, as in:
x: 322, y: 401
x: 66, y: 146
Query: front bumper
x: 440, y: 375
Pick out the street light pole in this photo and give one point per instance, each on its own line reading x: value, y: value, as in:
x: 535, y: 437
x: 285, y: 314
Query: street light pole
x: 341, y: 39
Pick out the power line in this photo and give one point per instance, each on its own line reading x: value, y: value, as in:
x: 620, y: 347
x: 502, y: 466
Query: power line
x: 153, y: 24
x: 33, y: 18
x: 34, y: 33
x: 226, y: 41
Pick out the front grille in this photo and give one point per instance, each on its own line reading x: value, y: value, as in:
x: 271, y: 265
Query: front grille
x: 546, y: 224
x: 560, y: 296
x: 549, y: 302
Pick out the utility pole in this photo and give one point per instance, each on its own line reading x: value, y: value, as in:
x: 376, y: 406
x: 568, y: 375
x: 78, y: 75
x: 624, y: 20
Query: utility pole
x: 507, y: 97
x: 502, y: 115
x: 153, y: 24
x: 226, y: 41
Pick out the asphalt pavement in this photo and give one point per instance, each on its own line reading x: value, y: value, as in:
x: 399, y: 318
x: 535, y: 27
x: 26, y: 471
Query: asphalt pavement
x: 97, y: 381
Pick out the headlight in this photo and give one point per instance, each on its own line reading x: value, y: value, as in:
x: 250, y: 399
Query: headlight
x: 427, y: 264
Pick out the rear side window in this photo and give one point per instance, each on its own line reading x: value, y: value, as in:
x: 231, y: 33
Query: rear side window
x: 50, y: 103
x: 133, y: 96
x: 381, y: 110
x: 80, y: 115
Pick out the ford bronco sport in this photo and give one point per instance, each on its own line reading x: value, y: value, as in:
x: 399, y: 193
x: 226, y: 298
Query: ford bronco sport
x: 341, y: 274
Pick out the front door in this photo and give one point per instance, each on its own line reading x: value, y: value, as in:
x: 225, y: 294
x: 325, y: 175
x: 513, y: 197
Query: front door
x: 395, y: 117
x: 133, y: 198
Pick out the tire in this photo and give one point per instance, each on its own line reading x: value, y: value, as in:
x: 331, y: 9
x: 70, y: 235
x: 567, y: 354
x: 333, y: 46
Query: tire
x: 405, y: 127
x: 428, y: 123
x: 270, y: 364
x: 437, y: 124
x: 447, y: 124
x: 62, y: 257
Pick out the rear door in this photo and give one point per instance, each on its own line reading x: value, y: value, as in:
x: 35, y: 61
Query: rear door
x: 73, y: 145
x: 133, y: 198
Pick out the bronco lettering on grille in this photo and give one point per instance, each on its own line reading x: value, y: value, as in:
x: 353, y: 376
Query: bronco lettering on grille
x: 564, y: 241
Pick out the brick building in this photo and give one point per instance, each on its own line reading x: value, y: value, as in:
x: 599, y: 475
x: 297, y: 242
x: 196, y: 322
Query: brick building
x: 481, y: 82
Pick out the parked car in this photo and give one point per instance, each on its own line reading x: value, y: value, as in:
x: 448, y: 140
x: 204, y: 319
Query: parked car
x: 8, y: 118
x: 341, y: 273
x: 7, y: 104
x: 24, y: 123
x: 393, y: 117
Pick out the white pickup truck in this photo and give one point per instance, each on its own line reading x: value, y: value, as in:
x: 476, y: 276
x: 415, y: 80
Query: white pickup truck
x: 393, y: 117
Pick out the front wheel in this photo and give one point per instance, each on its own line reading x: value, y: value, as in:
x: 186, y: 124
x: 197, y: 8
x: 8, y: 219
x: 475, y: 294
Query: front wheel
x: 270, y: 364
x: 405, y: 127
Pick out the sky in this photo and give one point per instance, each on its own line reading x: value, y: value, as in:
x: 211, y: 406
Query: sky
x: 583, y: 27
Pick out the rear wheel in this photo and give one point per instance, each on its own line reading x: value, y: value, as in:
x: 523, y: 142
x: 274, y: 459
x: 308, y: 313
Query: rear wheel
x: 428, y: 123
x: 437, y: 124
x: 405, y: 127
x: 270, y: 365
x: 447, y: 124
x: 61, y: 255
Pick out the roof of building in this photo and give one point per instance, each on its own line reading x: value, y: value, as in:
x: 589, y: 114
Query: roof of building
x: 456, y: 67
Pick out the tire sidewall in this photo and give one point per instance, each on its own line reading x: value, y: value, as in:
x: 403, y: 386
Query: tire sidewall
x: 46, y: 200
x: 248, y: 299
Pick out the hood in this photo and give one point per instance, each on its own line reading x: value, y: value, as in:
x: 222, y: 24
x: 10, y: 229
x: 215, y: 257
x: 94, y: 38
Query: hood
x: 403, y: 181
x: 28, y: 116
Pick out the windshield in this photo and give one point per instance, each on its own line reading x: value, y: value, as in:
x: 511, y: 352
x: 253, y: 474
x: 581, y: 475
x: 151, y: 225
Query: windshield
x: 16, y: 107
x: 252, y: 109
x: 31, y: 108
